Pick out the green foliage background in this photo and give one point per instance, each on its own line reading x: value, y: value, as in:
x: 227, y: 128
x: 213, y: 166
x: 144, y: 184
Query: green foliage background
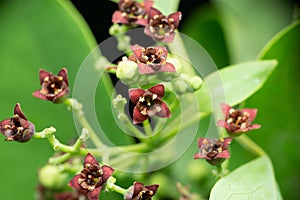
x: 40, y: 34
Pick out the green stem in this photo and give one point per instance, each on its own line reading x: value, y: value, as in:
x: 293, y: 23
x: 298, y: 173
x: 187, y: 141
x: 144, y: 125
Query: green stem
x: 250, y: 145
x: 132, y: 129
x: 110, y: 186
x: 147, y: 127
x: 79, y: 115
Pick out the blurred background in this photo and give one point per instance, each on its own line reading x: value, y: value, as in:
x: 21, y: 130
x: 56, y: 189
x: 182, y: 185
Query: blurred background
x: 40, y: 34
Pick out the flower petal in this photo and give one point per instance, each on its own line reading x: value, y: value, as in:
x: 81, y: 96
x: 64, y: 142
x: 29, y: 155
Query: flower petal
x: 19, y: 112
x: 153, y: 188
x: 38, y: 94
x: 142, y: 22
x: 168, y: 67
x: 176, y: 17
x: 64, y: 73
x: 198, y: 155
x: 145, y: 69
x: 90, y: 159
x: 200, y: 142
x: 225, y: 108
x: 152, y: 12
x: 107, y: 172
x: 74, y: 183
x: 223, y: 154
x: 118, y: 18
x: 43, y: 75
x: 138, y: 187
x: 137, y: 50
x: 135, y: 93
x: 138, y: 117
x: 164, y: 112
x: 147, y: 5
x: 252, y: 113
x: 94, y: 194
x: 158, y: 89
x: 168, y: 38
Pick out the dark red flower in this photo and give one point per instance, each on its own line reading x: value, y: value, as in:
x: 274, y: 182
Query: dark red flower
x: 140, y: 192
x: 238, y: 121
x: 213, y: 151
x: 162, y: 27
x: 54, y: 88
x: 132, y: 12
x: 92, y: 178
x: 17, y: 128
x: 152, y: 59
x: 148, y: 103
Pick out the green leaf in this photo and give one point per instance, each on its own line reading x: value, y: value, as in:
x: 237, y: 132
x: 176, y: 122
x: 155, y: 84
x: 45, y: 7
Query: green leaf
x: 254, y: 180
x: 250, y: 24
x: 278, y: 105
x: 207, y: 31
x: 234, y: 84
x: 166, y: 6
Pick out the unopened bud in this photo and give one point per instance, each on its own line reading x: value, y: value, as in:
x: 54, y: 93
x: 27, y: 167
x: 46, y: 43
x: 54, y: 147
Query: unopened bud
x: 195, y: 82
x: 127, y: 71
x: 50, y: 176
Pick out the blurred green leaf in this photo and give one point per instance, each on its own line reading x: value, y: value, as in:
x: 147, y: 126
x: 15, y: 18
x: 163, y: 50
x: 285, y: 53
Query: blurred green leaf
x: 249, y: 24
x: 34, y: 35
x: 278, y: 105
x: 208, y: 32
x: 234, y: 84
x: 166, y: 6
x: 254, y: 180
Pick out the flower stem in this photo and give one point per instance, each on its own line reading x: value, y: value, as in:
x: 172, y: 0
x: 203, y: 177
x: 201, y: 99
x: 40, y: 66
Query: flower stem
x: 147, y: 127
x: 110, y: 186
x: 75, y: 106
x: 250, y: 145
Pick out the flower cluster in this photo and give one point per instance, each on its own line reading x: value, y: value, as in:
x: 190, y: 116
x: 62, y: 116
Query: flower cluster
x: 157, y: 25
x: 236, y: 122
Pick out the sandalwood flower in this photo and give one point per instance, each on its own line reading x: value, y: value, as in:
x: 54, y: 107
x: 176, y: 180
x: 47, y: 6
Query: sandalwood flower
x: 17, y: 128
x: 237, y: 121
x: 161, y: 27
x: 140, y: 192
x: 132, y: 12
x: 55, y: 88
x: 92, y: 178
x: 213, y: 151
x: 148, y: 103
x: 152, y: 59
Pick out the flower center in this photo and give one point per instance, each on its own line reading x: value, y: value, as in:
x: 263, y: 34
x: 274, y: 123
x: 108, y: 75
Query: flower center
x: 149, y: 104
x: 153, y: 57
x: 237, y: 119
x: 15, y: 127
x: 52, y: 85
x: 145, y: 195
x: 161, y: 25
x: 212, y: 148
x: 91, y: 177
x: 133, y: 9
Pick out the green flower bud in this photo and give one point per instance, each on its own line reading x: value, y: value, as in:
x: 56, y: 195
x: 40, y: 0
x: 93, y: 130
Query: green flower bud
x: 195, y: 82
x: 123, y: 42
x: 127, y: 71
x: 50, y: 176
x: 117, y: 29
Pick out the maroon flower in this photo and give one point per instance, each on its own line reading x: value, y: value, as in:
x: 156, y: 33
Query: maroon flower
x: 140, y: 192
x: 70, y: 195
x: 237, y: 121
x: 132, y: 12
x: 17, y: 128
x: 148, y: 103
x: 92, y: 178
x: 212, y: 150
x: 54, y: 88
x: 162, y: 27
x: 151, y: 59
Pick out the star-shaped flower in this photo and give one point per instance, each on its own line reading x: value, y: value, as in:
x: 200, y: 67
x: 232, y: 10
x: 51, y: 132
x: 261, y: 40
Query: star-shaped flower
x: 148, y: 103
x: 152, y: 59
x: 161, y: 27
x: 55, y: 88
x: 140, y: 192
x: 92, y: 178
x: 17, y: 128
x: 132, y: 12
x: 237, y: 121
x: 213, y: 151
